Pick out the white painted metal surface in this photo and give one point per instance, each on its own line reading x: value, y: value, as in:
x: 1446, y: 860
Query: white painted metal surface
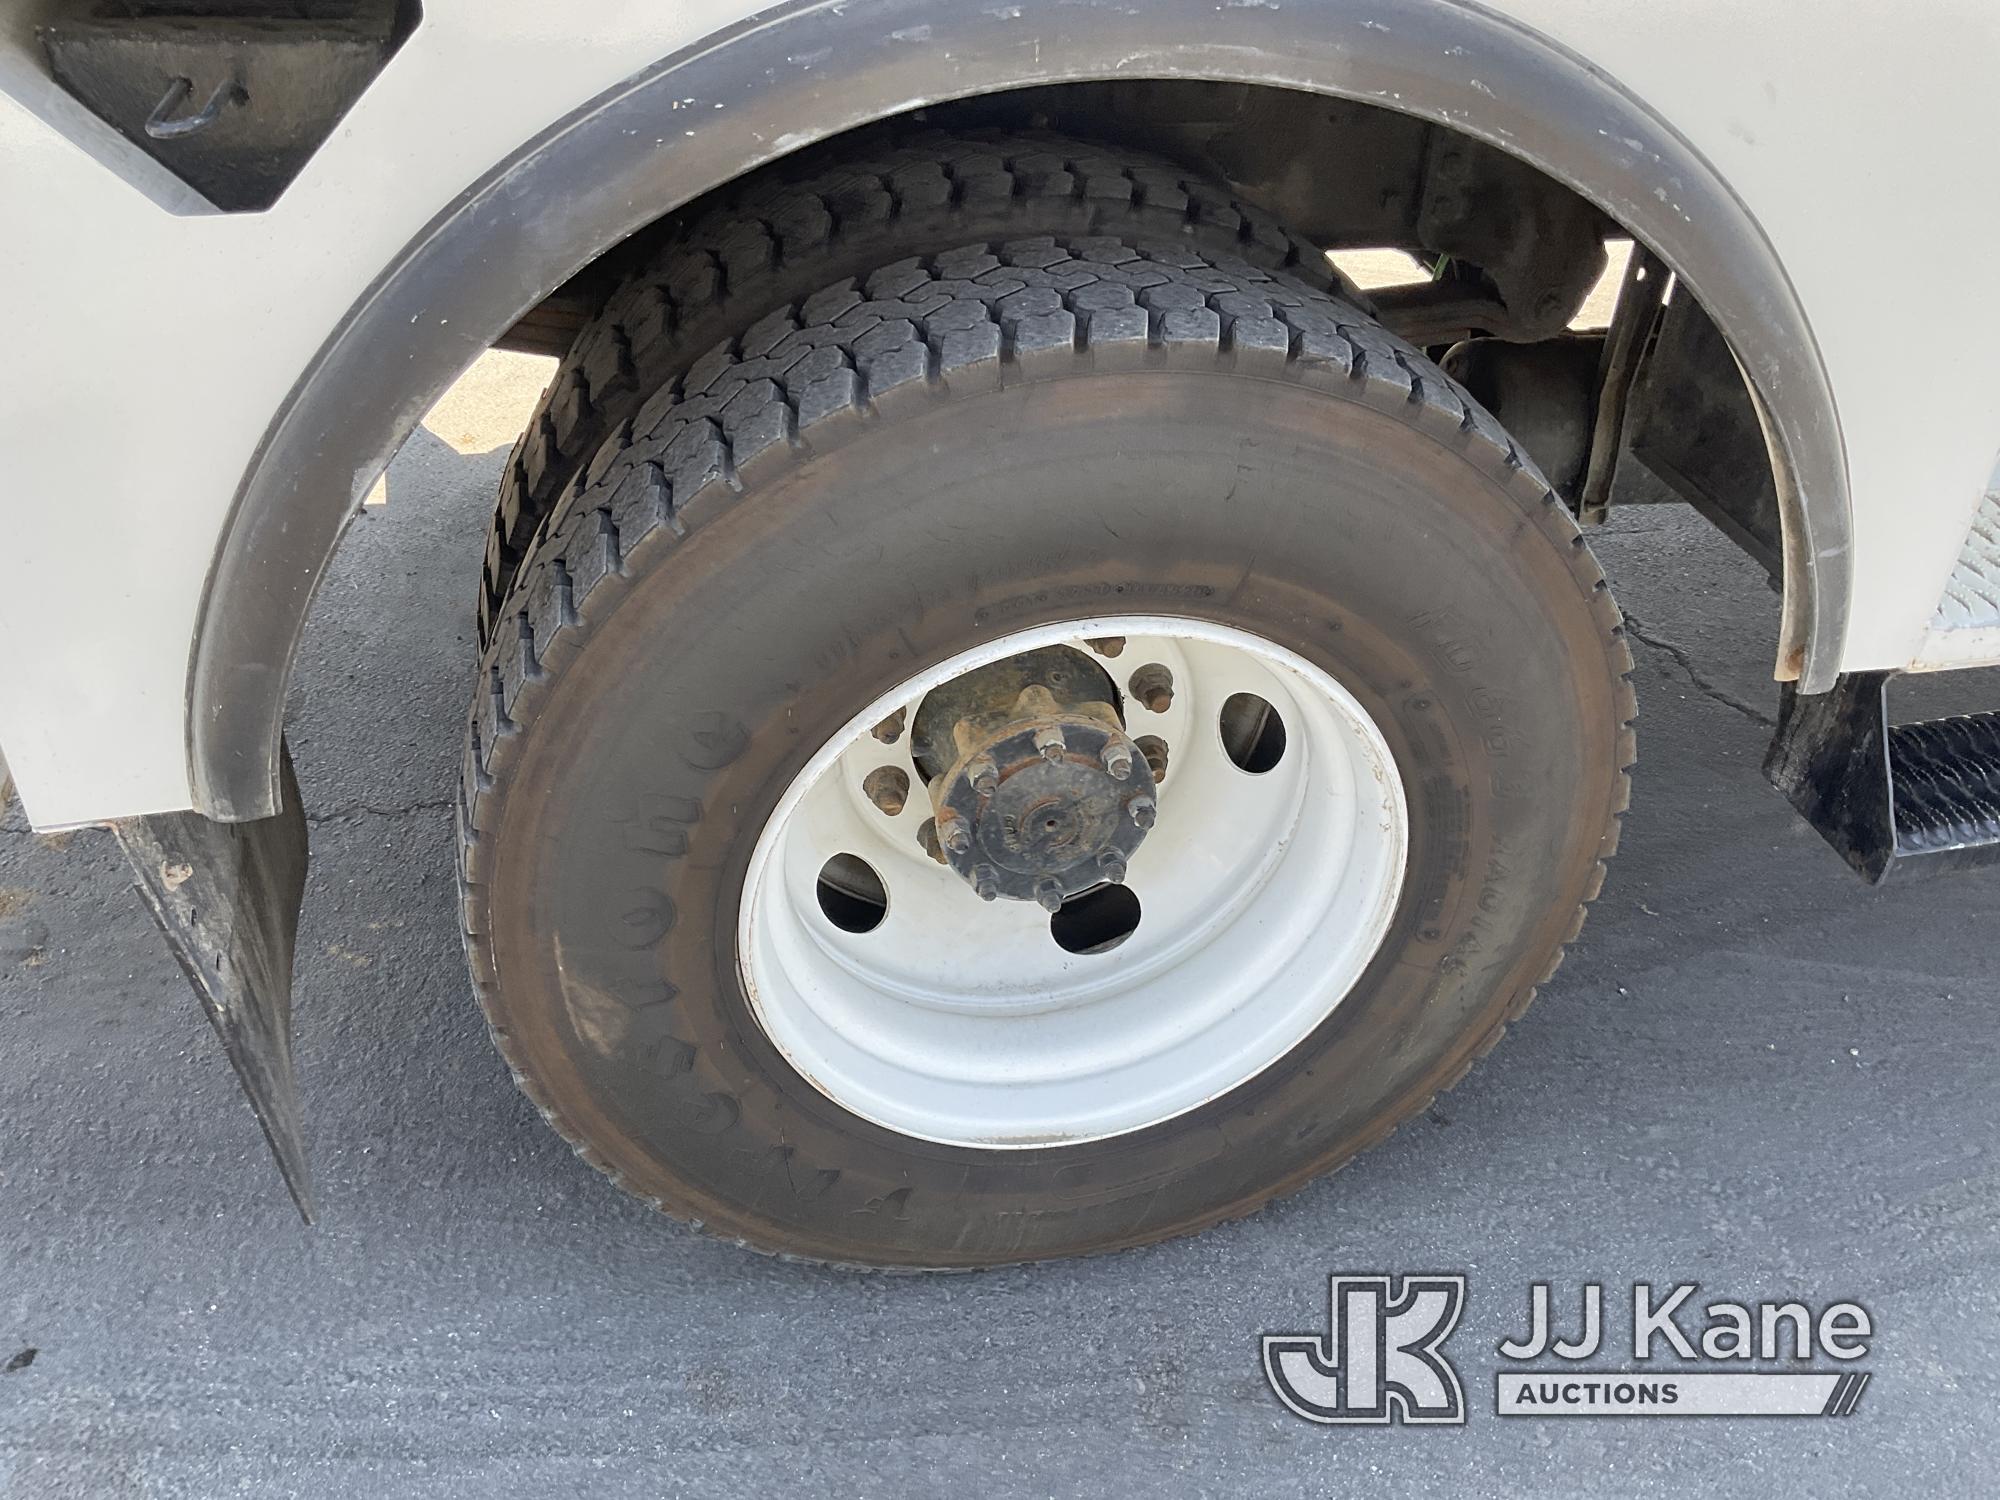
x: 1262, y: 898
x: 150, y: 341
x: 1966, y: 629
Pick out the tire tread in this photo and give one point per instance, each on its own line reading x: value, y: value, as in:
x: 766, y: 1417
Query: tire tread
x: 707, y: 271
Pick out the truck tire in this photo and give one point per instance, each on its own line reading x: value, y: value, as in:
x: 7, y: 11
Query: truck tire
x: 791, y: 230
x: 872, y: 615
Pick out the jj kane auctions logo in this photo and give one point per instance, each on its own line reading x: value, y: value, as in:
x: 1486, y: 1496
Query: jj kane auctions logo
x: 1382, y: 1357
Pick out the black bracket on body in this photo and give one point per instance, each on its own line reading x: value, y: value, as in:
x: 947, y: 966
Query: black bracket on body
x: 227, y: 897
x: 233, y: 98
x: 1909, y: 799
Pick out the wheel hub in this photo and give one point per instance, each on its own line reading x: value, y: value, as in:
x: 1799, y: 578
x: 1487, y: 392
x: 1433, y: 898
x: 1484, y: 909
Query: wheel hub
x: 1037, y: 790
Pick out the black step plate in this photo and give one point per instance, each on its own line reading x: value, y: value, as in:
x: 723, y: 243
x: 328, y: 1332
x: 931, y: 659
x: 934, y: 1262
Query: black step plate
x: 1945, y: 779
x: 1907, y: 799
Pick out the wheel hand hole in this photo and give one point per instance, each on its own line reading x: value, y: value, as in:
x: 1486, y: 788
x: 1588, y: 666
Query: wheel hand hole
x: 1096, y: 920
x: 1253, y: 736
x: 852, y: 894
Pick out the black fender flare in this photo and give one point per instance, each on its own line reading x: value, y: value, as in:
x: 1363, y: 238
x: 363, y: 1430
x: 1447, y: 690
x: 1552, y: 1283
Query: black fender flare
x: 813, y: 68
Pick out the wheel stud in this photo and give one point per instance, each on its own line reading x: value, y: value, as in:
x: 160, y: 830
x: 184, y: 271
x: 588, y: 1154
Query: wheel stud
x: 1155, y: 750
x: 888, y: 787
x: 1111, y: 865
x: 1153, y: 685
x: 987, y: 883
x: 1107, y: 645
x: 927, y: 838
x: 1117, y: 759
x: 952, y: 832
x: 1049, y: 893
x: 1050, y: 742
x: 891, y: 729
x: 985, y: 776
x: 1143, y: 811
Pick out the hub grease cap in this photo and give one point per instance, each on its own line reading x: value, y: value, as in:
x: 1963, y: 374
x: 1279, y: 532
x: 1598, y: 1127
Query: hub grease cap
x: 1063, y: 817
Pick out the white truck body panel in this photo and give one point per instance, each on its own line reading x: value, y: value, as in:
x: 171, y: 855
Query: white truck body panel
x: 151, y: 339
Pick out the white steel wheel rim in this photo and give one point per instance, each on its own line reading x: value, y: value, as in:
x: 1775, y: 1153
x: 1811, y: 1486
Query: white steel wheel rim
x: 1263, y: 898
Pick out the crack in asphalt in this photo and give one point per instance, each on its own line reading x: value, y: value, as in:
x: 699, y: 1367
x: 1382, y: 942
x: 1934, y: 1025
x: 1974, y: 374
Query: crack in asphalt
x: 354, y: 812
x: 1637, y: 630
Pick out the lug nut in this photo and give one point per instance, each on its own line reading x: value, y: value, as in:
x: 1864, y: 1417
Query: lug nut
x: 1144, y: 811
x: 1049, y: 892
x: 927, y: 838
x: 1107, y: 645
x: 888, y: 787
x: 1050, y: 742
x: 985, y: 776
x: 1153, y: 685
x: 1111, y: 865
x: 986, y: 883
x: 891, y: 729
x: 1155, y: 750
x: 1117, y: 759
x: 952, y: 832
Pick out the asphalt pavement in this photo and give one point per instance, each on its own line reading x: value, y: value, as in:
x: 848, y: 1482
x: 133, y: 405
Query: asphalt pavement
x: 1754, y: 1072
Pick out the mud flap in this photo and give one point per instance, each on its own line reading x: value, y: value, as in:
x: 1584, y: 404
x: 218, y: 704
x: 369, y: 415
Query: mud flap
x: 227, y: 897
